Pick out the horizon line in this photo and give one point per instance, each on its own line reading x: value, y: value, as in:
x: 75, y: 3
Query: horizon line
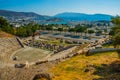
x: 60, y: 13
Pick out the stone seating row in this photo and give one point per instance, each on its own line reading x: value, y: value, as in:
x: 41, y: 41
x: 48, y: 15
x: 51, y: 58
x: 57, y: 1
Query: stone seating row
x: 8, y: 44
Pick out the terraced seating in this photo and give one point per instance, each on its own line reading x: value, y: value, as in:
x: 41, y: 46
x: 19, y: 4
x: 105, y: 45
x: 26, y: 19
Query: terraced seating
x: 8, y: 44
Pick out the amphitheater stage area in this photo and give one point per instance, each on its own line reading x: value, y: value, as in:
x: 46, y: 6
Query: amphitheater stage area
x: 30, y: 54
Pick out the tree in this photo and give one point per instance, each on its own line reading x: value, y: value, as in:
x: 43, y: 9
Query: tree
x: 85, y: 33
x: 5, y: 26
x: 49, y: 28
x: 116, y: 21
x: 116, y: 40
x: 80, y: 29
x: 91, y: 32
x: 105, y: 30
x: 116, y: 32
x: 71, y: 30
x: 27, y: 30
x: 3, y: 22
x: 21, y: 32
x: 60, y: 29
x: 98, y: 33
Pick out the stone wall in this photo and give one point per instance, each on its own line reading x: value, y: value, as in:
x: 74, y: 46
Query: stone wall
x: 93, y: 51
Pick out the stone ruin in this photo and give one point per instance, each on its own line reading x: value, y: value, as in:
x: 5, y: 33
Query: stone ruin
x: 42, y: 76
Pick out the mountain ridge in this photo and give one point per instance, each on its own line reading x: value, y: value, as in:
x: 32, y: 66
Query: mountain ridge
x: 83, y: 16
x: 14, y: 13
x: 22, y: 15
x: 66, y: 16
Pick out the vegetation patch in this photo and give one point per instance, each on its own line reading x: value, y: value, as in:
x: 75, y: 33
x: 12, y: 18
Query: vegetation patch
x: 96, y: 67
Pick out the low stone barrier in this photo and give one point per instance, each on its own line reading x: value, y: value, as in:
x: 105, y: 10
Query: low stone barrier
x: 61, y: 54
x: 93, y: 51
x: 20, y: 42
x: 40, y: 62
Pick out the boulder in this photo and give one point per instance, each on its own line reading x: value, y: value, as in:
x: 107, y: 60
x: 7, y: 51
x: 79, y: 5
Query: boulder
x: 19, y: 65
x: 98, y: 47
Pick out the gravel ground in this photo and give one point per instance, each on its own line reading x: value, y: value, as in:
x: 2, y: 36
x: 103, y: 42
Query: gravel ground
x: 31, y: 54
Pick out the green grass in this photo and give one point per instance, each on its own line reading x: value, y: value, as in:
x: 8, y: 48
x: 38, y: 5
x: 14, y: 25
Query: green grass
x: 108, y: 46
x: 74, y: 69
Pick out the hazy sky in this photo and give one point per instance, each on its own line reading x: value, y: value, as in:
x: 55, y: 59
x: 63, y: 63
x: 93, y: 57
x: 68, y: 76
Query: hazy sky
x: 52, y: 7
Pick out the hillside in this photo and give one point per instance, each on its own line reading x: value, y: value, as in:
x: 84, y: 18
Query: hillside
x: 82, y: 17
x: 4, y: 34
x: 21, y: 15
x: 13, y: 13
x: 101, y: 66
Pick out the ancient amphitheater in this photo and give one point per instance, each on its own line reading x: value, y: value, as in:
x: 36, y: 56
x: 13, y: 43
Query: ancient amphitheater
x: 20, y: 62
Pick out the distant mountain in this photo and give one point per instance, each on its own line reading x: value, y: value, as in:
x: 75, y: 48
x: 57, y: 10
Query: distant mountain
x: 14, y: 14
x: 62, y: 18
x: 83, y: 17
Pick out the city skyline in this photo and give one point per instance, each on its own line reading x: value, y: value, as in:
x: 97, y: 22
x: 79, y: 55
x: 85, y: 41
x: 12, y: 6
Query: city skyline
x: 52, y: 7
